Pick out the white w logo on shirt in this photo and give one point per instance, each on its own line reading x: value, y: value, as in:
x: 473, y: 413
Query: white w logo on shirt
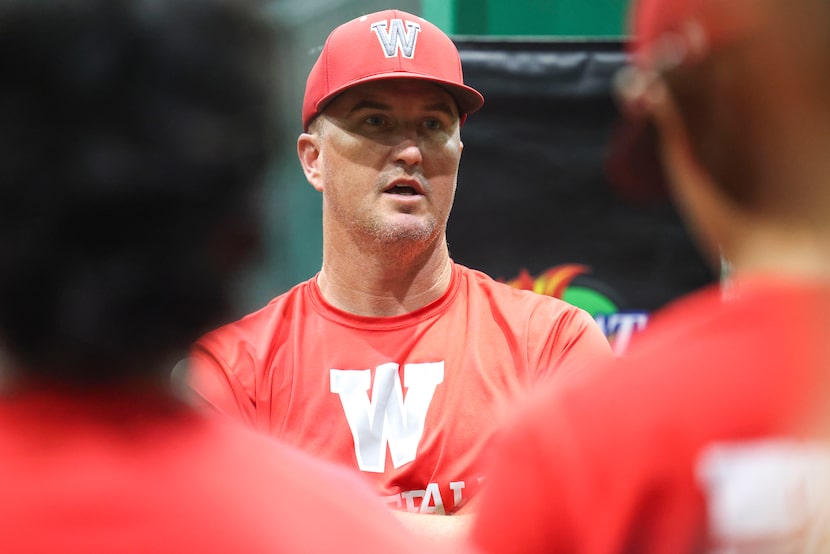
x: 387, y: 418
x: 396, y: 38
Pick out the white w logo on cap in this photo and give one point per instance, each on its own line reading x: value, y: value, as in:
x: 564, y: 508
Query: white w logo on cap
x: 397, y: 38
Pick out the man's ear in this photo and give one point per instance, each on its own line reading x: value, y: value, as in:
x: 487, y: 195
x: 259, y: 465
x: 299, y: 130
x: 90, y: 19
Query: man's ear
x: 707, y: 211
x: 308, y: 150
x: 676, y: 149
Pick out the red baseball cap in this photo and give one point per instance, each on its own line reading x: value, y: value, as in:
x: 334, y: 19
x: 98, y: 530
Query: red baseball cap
x: 391, y: 44
x: 652, y: 20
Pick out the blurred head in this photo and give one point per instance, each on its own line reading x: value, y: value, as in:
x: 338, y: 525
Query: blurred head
x: 134, y: 135
x: 738, y: 92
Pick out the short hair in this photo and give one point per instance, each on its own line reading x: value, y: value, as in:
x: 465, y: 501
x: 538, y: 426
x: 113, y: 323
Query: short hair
x: 724, y: 100
x: 134, y: 137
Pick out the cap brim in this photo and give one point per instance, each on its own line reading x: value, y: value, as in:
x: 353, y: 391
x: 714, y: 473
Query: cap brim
x: 467, y: 98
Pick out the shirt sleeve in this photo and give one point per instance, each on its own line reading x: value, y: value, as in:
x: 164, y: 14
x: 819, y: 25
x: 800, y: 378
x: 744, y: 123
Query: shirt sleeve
x: 216, y: 380
x: 574, y: 342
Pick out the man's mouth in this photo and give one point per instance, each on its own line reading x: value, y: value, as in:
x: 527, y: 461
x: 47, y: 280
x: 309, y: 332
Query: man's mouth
x: 403, y: 190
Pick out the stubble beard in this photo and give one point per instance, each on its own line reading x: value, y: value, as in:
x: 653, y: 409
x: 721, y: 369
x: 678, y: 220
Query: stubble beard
x: 400, y: 241
x: 394, y: 237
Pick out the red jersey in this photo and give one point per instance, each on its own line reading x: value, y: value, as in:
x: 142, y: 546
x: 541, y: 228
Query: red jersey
x: 701, y: 438
x: 333, y: 383
x: 105, y: 473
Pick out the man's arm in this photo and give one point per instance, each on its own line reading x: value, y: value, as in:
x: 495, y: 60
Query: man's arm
x: 444, y: 528
x: 450, y: 527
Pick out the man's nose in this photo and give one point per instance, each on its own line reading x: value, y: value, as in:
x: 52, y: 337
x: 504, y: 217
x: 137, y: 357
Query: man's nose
x: 408, y: 149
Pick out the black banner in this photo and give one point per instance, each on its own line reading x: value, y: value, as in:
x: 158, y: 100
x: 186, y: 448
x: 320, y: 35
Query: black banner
x: 534, y: 204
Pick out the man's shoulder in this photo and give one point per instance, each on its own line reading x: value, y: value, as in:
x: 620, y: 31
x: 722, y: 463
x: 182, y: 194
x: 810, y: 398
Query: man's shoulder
x: 695, y: 367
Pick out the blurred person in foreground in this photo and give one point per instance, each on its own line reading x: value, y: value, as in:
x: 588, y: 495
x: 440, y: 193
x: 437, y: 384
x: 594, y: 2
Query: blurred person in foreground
x: 393, y: 360
x: 710, y: 435
x: 134, y: 136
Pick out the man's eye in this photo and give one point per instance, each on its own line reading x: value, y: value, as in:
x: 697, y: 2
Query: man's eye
x: 433, y: 124
x: 375, y: 120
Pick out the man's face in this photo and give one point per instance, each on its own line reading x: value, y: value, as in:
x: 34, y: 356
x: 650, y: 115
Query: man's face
x: 388, y: 160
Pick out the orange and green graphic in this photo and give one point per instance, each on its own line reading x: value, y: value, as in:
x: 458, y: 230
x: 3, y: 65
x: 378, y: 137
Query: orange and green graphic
x: 574, y: 284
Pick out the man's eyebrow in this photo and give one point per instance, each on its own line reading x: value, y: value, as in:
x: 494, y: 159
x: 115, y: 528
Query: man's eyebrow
x: 368, y: 105
x: 439, y: 106
x: 442, y: 106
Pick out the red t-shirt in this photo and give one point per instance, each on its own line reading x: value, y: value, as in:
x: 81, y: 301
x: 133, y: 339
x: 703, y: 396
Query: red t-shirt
x: 701, y: 437
x: 333, y: 383
x: 109, y: 472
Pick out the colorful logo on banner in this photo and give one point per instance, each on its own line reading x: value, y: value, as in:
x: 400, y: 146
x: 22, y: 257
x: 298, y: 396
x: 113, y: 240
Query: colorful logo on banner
x: 574, y: 284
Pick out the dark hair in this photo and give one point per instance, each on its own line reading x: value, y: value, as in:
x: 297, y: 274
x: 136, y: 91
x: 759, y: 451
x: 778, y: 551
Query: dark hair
x: 134, y: 135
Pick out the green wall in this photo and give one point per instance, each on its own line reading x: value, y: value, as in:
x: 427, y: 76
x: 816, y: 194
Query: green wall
x: 565, y: 18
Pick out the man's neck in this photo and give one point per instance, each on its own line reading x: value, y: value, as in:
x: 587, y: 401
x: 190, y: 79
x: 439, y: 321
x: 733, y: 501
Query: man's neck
x: 798, y: 252
x: 374, y: 283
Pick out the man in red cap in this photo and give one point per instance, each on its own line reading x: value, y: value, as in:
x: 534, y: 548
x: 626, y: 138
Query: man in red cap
x: 393, y: 359
x: 710, y: 435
